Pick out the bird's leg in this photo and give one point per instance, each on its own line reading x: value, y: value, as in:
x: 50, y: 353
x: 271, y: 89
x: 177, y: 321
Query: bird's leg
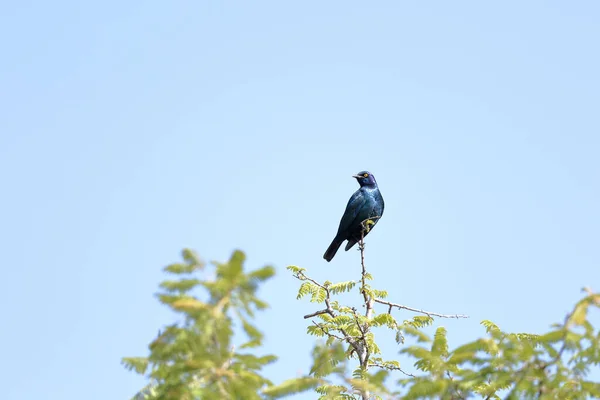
x: 367, y: 225
x: 365, y: 228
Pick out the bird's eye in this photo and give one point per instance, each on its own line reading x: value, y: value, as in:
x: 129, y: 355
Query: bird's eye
x: 365, y: 175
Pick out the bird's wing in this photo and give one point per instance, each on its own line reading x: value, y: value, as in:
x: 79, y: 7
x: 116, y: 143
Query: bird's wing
x: 356, y: 202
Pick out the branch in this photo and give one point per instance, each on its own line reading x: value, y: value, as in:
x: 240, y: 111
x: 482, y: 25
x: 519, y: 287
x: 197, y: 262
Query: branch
x: 364, y: 353
x: 302, y: 276
x: 361, y: 246
x: 428, y: 313
x: 391, y: 367
x: 326, y: 311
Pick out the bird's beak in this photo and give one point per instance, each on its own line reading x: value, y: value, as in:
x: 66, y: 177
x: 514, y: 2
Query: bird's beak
x: 357, y: 176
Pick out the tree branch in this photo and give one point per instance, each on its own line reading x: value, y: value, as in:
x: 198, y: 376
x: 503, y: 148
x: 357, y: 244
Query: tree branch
x: 364, y: 354
x: 428, y: 313
x: 326, y: 311
x: 391, y: 367
x: 361, y: 247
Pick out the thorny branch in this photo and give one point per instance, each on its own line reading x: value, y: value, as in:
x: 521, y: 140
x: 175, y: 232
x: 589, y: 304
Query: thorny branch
x: 361, y: 247
x: 428, y: 313
x: 364, y: 354
x: 391, y: 367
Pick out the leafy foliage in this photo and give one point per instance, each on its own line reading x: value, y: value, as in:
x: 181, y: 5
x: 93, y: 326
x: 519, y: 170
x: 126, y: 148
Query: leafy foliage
x: 554, y: 365
x: 195, y: 358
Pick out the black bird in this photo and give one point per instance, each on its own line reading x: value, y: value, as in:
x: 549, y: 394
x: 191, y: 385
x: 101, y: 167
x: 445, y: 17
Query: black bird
x: 365, y: 203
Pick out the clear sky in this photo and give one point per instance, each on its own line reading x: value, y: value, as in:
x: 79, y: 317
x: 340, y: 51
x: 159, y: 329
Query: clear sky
x: 129, y: 130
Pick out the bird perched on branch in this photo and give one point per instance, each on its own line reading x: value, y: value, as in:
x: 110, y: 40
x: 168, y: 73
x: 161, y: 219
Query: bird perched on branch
x: 366, y: 204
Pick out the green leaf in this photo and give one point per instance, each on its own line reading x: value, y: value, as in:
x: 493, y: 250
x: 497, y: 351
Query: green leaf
x: 417, y: 352
x: 318, y: 296
x: 440, y: 343
x: 385, y: 319
x: 262, y: 274
x: 418, y: 334
x: 305, y: 289
x: 315, y: 330
x: 380, y: 294
x: 580, y: 313
x: 552, y: 336
x: 592, y: 388
x: 420, y: 321
x: 182, y: 285
x: 188, y: 304
x: 138, y: 364
x: 250, y: 330
x: 295, y: 269
x: 427, y: 389
x: 341, y: 287
x: 191, y: 257
x: 341, y: 320
x: 232, y: 269
x: 291, y: 386
x: 490, y: 326
x: 179, y: 268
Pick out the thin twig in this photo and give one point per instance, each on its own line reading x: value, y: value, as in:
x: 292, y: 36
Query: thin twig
x: 391, y: 367
x: 326, y: 311
x: 428, y: 313
x: 361, y: 245
x: 302, y: 276
x: 365, y: 353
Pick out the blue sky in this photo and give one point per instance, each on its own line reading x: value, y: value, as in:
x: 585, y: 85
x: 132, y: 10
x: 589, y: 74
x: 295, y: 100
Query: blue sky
x: 131, y: 130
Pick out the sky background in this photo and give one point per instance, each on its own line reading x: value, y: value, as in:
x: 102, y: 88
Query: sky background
x: 129, y: 130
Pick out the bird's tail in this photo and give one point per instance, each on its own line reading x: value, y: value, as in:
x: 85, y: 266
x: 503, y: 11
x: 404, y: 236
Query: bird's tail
x: 333, y: 248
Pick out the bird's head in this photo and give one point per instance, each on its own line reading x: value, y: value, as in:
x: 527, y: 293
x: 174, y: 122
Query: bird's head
x: 365, y: 178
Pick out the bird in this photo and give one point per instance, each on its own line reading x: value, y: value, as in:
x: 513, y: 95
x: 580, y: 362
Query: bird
x: 364, y: 204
